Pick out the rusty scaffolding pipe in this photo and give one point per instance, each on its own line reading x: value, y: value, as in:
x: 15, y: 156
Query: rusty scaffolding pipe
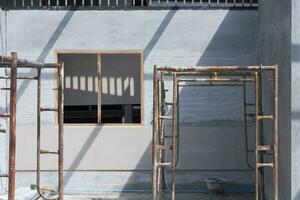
x: 59, y: 152
x: 12, y: 128
x: 215, y: 71
x: 14, y: 63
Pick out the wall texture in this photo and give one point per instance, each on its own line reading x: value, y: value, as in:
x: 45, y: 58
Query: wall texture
x: 274, y: 45
x: 212, y: 135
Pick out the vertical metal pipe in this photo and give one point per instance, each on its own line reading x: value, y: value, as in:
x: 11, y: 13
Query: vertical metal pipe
x: 155, y: 131
x: 174, y: 135
x: 161, y: 112
x: 276, y: 132
x: 162, y: 136
x: 177, y: 124
x: 257, y: 129
x: 57, y: 2
x: 38, y: 137
x: 12, y: 127
x: 99, y: 88
x: 261, y: 135
x: 60, y: 100
x: 246, y: 124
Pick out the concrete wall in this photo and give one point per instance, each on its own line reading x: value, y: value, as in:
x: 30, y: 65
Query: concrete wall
x: 168, y: 37
x: 274, y: 45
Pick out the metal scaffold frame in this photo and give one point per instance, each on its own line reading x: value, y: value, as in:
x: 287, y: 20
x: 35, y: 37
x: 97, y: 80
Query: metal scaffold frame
x: 212, y: 76
x: 14, y: 63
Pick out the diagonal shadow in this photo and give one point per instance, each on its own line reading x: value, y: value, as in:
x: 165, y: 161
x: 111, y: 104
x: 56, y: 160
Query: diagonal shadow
x: 153, y: 41
x: 162, y: 27
x: 92, y: 137
x: 216, y: 53
x: 48, y: 47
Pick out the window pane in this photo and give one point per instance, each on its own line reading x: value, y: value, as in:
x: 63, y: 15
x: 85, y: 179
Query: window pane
x: 80, y: 95
x: 121, y: 88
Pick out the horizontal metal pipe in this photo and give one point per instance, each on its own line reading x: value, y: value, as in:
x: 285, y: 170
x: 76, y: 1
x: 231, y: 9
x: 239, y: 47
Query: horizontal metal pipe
x: 197, y: 69
x: 48, y: 152
x: 20, y: 77
x: 202, y: 85
x: 4, y: 114
x: 29, y: 65
x: 185, y: 80
x: 48, y: 109
x: 21, y: 62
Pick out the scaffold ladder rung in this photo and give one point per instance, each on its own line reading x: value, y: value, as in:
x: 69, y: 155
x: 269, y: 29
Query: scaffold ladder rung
x: 168, y: 164
x: 260, y: 165
x: 261, y: 117
x: 263, y: 148
x: 164, y: 147
x: 4, y: 115
x: 48, y: 109
x: 165, y: 117
x: 48, y: 152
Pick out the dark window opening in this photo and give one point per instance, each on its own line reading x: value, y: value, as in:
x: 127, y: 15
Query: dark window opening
x: 121, y: 114
x: 80, y: 114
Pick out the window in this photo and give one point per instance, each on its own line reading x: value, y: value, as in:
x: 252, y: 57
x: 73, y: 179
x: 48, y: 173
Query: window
x: 103, y: 87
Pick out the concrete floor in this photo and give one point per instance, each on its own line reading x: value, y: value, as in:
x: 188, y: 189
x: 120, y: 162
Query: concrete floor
x: 147, y: 196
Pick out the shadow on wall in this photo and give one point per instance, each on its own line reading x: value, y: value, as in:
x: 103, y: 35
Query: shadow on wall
x: 48, y: 47
x: 225, y: 48
x: 85, y: 147
x: 232, y: 44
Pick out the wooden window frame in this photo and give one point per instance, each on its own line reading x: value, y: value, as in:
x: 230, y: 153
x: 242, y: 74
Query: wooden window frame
x: 99, y: 83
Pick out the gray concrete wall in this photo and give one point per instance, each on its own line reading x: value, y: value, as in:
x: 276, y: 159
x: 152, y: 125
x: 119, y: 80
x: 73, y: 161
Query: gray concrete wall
x: 168, y: 37
x: 274, y: 45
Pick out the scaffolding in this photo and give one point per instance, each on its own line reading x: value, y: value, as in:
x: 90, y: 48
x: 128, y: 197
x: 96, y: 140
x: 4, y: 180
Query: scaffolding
x: 212, y: 76
x: 14, y: 63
